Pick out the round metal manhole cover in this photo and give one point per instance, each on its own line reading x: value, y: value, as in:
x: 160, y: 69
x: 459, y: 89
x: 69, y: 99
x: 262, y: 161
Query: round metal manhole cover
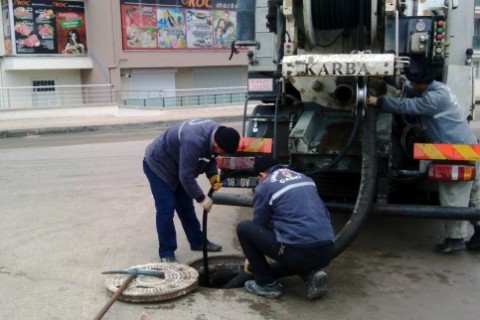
x: 179, y: 280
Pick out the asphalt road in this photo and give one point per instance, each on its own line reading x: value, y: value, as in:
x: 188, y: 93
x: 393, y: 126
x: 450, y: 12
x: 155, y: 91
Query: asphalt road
x: 74, y: 205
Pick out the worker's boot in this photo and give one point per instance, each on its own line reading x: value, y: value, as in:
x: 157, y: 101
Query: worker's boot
x: 450, y: 245
x: 273, y: 290
x: 316, y: 284
x: 211, y: 247
x: 474, y: 243
x: 169, y: 259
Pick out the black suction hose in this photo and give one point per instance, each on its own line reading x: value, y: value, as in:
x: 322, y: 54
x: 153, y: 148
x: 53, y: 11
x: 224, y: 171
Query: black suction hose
x: 206, y: 270
x: 368, y: 179
x: 366, y: 191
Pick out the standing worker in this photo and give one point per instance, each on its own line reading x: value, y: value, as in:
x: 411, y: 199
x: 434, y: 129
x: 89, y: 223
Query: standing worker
x: 290, y: 225
x: 444, y: 122
x: 172, y: 163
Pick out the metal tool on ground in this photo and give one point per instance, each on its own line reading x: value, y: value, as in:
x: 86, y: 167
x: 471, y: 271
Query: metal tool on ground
x: 137, y: 271
x: 115, y: 296
x: 132, y: 274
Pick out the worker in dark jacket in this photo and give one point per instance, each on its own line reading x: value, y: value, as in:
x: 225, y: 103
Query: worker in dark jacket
x: 172, y: 164
x: 444, y: 122
x: 290, y: 225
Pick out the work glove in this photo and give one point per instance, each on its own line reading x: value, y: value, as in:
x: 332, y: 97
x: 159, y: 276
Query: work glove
x: 377, y: 86
x: 372, y: 101
x: 207, y: 203
x: 215, y: 182
x: 247, y: 268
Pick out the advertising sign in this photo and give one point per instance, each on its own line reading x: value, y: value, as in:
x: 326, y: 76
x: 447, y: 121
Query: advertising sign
x: 178, y: 24
x: 199, y: 28
x: 49, y: 27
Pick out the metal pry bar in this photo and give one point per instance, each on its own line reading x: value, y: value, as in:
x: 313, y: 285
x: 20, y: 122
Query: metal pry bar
x: 138, y: 272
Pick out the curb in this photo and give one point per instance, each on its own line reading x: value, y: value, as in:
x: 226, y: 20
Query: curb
x: 15, y: 133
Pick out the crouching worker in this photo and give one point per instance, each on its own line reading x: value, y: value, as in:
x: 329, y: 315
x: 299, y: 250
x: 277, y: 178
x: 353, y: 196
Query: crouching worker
x: 290, y: 225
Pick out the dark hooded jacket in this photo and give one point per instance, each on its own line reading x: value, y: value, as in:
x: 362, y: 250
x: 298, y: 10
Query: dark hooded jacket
x: 288, y: 202
x: 182, y: 153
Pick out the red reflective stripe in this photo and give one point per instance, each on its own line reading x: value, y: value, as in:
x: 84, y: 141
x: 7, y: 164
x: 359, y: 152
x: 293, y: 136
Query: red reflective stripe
x: 439, y: 151
x: 449, y: 151
x: 255, y: 145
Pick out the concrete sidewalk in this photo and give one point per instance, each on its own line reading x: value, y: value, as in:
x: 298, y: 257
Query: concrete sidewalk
x: 19, y: 123
x: 110, y: 118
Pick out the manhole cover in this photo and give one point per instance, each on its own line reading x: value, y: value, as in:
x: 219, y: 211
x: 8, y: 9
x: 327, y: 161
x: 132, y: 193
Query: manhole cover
x: 179, y: 280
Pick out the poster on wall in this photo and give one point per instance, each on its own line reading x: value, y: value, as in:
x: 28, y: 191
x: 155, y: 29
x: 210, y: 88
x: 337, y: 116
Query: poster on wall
x: 171, y: 29
x: 199, y: 29
x: 225, y: 27
x: 139, y: 26
x: 49, y: 27
x: 178, y: 24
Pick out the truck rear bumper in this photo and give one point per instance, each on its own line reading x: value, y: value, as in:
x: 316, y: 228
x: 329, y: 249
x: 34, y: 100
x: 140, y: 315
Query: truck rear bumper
x: 400, y: 210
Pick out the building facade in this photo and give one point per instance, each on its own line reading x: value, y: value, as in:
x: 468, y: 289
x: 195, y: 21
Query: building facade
x: 134, y: 45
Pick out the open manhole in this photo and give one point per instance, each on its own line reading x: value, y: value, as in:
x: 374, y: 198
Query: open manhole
x: 225, y: 271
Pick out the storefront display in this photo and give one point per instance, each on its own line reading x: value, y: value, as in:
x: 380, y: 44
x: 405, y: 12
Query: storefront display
x: 178, y: 24
x: 45, y: 27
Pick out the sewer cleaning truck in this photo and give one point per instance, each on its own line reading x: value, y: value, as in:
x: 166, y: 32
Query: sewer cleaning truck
x: 313, y: 63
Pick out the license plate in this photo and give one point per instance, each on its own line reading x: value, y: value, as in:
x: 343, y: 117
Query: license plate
x: 250, y: 182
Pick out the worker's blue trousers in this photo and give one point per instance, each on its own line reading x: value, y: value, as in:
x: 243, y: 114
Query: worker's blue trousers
x: 166, y: 202
x: 258, y: 242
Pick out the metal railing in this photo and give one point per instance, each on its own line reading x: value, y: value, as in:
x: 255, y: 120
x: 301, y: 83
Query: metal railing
x: 98, y: 95
x: 56, y: 96
x: 183, y: 97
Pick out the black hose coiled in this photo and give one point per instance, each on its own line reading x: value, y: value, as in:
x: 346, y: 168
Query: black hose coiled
x: 338, y: 14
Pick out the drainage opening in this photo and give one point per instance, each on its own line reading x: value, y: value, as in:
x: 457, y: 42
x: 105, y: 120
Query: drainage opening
x: 225, y: 271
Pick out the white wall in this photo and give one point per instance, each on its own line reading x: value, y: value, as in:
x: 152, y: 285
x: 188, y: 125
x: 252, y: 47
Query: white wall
x: 25, y: 78
x: 219, y: 77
